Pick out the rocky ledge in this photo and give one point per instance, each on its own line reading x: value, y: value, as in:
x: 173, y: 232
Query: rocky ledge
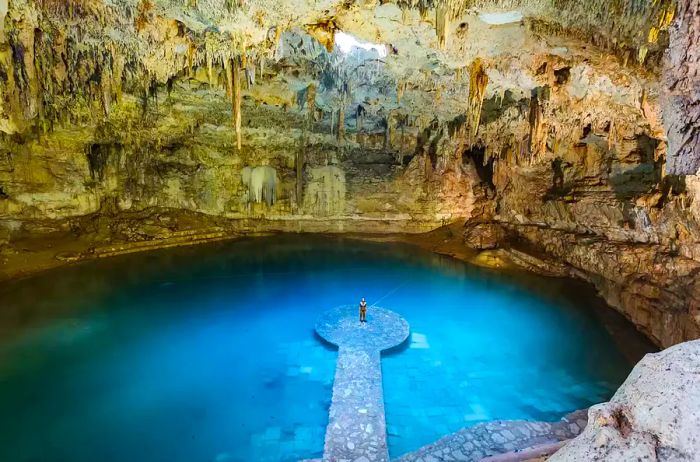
x: 654, y: 416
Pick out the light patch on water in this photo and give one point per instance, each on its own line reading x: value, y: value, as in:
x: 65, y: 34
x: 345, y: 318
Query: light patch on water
x: 419, y: 341
x: 478, y: 413
x: 497, y: 19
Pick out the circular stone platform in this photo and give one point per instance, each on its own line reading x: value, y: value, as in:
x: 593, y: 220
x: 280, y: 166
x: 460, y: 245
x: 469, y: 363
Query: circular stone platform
x: 356, y: 430
x: 341, y: 326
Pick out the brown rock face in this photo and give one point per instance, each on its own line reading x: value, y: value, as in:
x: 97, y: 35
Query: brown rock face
x: 681, y: 106
x: 604, y: 209
x: 483, y: 236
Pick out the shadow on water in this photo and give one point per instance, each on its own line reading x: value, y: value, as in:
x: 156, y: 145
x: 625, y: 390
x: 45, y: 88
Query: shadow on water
x: 398, y: 349
x: 325, y: 343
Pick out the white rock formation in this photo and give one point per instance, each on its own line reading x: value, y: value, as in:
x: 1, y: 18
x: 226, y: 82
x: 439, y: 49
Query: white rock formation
x: 261, y: 183
x: 654, y: 416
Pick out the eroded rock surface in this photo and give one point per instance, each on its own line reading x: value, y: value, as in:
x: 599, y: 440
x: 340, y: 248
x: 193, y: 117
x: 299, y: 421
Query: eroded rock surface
x: 655, y: 414
x: 682, y: 90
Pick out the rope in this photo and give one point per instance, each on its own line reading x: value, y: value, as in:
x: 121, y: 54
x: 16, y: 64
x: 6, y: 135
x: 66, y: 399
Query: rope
x: 389, y: 293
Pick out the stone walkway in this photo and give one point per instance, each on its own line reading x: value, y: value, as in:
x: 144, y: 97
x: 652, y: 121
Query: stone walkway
x: 356, y: 429
x: 489, y: 439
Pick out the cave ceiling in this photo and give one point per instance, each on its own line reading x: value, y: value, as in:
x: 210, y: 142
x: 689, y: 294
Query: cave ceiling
x: 63, y: 55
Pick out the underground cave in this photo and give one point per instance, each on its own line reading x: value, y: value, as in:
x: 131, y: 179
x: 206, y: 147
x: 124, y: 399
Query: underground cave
x: 349, y: 230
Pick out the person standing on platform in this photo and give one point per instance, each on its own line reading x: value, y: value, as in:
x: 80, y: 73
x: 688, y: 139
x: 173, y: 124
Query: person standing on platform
x: 363, y: 310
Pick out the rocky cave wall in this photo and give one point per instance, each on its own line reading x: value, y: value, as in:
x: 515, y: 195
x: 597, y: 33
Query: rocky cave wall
x: 544, y: 133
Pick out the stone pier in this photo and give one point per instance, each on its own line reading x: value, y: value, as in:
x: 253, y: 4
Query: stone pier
x: 356, y: 429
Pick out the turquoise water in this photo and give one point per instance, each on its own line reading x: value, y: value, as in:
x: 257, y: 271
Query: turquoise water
x: 208, y: 353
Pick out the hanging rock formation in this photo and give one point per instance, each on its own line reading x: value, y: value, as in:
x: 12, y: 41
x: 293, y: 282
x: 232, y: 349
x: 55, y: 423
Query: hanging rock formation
x: 261, y: 183
x: 478, y: 79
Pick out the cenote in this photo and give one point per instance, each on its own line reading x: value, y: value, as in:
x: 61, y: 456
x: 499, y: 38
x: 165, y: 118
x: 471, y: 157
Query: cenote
x: 208, y: 353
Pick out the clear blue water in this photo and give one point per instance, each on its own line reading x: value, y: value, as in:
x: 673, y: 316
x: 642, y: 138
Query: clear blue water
x: 208, y: 353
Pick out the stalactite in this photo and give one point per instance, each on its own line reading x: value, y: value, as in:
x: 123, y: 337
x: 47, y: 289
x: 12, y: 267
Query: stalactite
x: 442, y: 24
x: 250, y: 75
x: 118, y: 63
x: 341, y: 121
x: 278, y: 41
x: 299, y: 167
x: 236, y: 95
x: 538, y: 128
x: 388, y: 131
x: 612, y: 135
x: 478, y: 79
x: 262, y: 183
x: 423, y: 10
x: 642, y: 54
x: 210, y: 68
x: 244, y: 61
x: 405, y: 15
x: 106, y: 93
x: 310, y: 103
x: 311, y: 109
x: 400, y: 90
x: 191, y: 50
x: 359, y: 118
x: 332, y: 121
x: 229, y: 79
x: 301, y: 98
